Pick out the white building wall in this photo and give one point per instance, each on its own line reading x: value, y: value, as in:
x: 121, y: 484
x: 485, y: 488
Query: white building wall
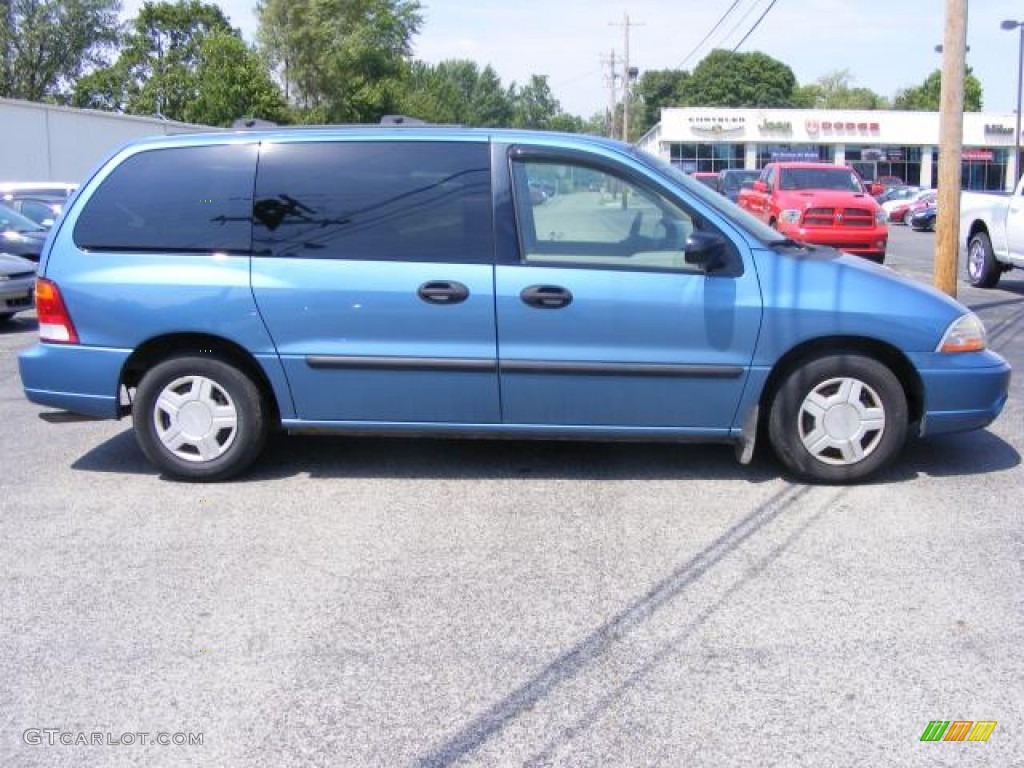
x: 43, y: 142
x: 836, y: 128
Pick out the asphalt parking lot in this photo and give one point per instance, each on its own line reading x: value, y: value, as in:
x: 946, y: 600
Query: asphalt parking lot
x: 387, y: 602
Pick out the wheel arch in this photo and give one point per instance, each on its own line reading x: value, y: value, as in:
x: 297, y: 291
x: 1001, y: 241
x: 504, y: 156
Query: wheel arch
x: 160, y: 348
x: 978, y: 225
x: 828, y: 346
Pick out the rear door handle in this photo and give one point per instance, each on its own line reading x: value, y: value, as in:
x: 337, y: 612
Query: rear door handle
x: 546, y: 296
x: 443, y: 292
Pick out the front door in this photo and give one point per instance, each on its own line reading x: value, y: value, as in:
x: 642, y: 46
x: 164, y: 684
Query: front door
x: 602, y: 323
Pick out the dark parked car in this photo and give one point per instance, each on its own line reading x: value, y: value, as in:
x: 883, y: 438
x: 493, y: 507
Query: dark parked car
x: 20, y: 235
x: 924, y: 219
x: 732, y: 180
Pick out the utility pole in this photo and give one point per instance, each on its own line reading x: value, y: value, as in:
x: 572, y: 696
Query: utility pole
x: 951, y: 138
x: 628, y: 74
x: 612, y: 75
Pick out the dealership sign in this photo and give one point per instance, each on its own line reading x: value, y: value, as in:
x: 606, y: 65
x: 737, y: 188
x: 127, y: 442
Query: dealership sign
x: 717, y: 126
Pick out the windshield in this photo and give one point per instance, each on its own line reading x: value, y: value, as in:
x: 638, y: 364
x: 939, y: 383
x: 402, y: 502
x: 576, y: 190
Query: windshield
x: 819, y: 178
x: 12, y: 221
x: 729, y: 210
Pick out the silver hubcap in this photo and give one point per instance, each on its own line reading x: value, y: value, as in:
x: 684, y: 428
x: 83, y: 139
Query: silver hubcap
x: 195, y: 418
x: 976, y: 261
x: 841, y: 421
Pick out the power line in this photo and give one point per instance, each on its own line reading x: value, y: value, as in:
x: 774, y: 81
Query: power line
x: 743, y: 20
x: 709, y: 34
x: 756, y: 23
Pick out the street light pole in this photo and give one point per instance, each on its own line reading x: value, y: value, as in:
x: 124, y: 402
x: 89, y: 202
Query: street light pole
x: 1010, y: 24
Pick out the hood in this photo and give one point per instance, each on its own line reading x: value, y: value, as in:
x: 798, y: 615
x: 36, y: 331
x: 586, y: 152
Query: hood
x: 825, y: 198
x: 15, y: 265
x: 29, y: 244
x: 870, y: 300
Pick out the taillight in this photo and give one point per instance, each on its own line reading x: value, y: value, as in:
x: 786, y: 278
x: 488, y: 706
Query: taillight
x: 54, y: 321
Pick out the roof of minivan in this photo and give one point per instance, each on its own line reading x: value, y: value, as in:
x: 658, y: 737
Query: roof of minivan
x: 435, y: 132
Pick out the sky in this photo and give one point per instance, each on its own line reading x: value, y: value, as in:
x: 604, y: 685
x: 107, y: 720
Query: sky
x: 885, y: 45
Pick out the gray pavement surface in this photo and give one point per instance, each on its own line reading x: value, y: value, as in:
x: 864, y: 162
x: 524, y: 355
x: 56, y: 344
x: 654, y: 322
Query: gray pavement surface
x: 386, y: 602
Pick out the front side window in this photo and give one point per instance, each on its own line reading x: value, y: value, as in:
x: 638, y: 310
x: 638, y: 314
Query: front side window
x: 383, y: 201
x: 179, y: 199
x: 574, y: 215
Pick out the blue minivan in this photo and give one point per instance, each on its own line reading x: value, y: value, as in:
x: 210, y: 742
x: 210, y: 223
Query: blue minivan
x: 408, y: 280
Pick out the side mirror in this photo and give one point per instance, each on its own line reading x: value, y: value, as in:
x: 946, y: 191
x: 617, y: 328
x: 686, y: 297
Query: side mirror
x: 705, y: 250
x: 760, y: 186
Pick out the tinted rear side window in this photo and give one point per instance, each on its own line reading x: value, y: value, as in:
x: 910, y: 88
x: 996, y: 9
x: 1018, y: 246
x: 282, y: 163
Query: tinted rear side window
x: 182, y: 199
x: 387, y: 201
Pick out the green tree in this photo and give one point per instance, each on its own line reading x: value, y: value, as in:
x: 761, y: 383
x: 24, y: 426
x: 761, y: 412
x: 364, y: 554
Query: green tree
x: 729, y: 79
x: 658, y: 89
x: 456, y: 91
x: 45, y: 45
x: 926, y: 97
x: 835, y: 91
x: 340, y: 60
x: 232, y: 82
x: 534, y: 105
x: 157, y: 71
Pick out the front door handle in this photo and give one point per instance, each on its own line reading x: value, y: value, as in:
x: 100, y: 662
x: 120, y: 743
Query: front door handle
x: 443, y: 292
x: 546, y: 296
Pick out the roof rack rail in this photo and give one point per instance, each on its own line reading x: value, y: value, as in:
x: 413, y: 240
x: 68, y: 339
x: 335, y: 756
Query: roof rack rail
x: 253, y: 122
x: 401, y: 120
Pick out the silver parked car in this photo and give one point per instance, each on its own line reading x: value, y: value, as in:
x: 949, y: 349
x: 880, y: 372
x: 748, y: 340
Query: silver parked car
x: 17, y: 283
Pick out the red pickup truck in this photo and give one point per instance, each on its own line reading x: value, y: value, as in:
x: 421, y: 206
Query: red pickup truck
x: 821, y: 204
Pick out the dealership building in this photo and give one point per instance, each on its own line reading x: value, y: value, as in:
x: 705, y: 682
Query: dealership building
x: 875, y: 142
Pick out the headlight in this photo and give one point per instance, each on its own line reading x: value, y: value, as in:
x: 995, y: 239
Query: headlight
x: 965, y: 334
x: 881, y: 217
x: 790, y: 216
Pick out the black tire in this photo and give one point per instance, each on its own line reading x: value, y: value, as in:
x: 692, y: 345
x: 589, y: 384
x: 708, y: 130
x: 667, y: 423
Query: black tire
x: 5, y: 316
x: 983, y: 271
x: 211, y: 389
x: 838, y: 418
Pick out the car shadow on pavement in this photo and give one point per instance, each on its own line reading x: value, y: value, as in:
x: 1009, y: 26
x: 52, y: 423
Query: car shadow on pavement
x: 333, y: 457
x: 970, y: 453
x: 342, y: 457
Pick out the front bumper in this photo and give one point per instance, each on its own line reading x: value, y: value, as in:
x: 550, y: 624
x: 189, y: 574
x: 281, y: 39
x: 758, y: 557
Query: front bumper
x: 17, y: 295
x: 962, y: 392
x: 861, y: 241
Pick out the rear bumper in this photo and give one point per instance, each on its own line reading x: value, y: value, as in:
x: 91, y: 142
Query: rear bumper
x: 73, y: 378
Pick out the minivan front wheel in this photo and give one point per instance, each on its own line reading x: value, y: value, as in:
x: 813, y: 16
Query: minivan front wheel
x: 838, y: 418
x: 199, y: 418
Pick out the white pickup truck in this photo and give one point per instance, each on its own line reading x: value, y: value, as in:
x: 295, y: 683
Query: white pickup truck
x: 993, y: 228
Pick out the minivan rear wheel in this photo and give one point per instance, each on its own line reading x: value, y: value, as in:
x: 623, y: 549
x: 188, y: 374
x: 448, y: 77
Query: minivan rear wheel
x: 838, y: 418
x: 199, y: 418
